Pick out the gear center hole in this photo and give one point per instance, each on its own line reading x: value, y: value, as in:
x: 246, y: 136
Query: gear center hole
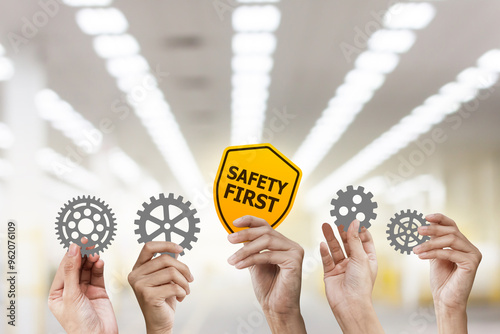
x: 167, y: 226
x: 85, y: 226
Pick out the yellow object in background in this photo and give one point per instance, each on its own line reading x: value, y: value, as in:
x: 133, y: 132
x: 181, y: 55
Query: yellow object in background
x: 255, y: 180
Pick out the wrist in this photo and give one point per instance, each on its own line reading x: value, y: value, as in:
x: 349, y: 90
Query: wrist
x: 289, y: 322
x: 158, y: 330
x: 451, y: 320
x: 359, y: 317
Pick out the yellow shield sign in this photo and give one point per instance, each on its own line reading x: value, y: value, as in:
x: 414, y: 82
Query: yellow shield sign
x: 255, y: 180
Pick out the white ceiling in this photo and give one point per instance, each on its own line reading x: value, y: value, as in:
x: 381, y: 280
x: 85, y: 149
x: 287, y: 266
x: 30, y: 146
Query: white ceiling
x: 190, y: 41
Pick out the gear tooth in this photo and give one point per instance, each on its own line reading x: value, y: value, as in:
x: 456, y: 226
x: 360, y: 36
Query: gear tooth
x: 332, y: 213
x: 180, y: 198
x: 140, y: 240
x: 162, y: 196
x: 369, y: 195
x: 152, y: 199
x: 171, y: 195
x: 182, y: 253
x: 350, y: 188
x: 196, y: 230
x: 144, y: 205
x: 188, y: 203
x: 361, y: 189
x: 340, y: 192
x: 138, y: 231
x: 197, y: 220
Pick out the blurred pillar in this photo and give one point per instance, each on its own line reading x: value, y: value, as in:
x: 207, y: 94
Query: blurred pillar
x: 23, y: 188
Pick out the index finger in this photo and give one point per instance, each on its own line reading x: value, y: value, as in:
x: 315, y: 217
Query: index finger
x: 250, y: 221
x: 58, y: 282
x: 439, y: 218
x: 153, y: 247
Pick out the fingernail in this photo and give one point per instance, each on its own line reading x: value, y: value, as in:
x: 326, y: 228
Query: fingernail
x: 416, y: 249
x: 179, y: 249
x: 192, y: 277
x: 73, y: 249
x: 423, y: 229
x: 432, y: 215
x: 237, y: 221
x: 422, y: 255
x: 231, y: 236
x: 231, y: 258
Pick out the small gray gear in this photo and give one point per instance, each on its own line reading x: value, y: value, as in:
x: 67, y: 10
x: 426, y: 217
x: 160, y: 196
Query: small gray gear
x: 403, y: 231
x: 86, y: 217
x: 350, y: 204
x: 167, y: 224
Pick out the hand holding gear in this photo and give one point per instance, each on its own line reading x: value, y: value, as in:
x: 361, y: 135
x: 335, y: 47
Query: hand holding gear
x: 86, y: 217
x: 353, y: 204
x: 403, y: 231
x: 164, y: 222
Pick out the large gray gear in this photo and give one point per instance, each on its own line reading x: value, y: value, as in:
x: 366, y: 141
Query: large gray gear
x: 86, y: 211
x: 167, y: 224
x: 403, y: 231
x: 345, y: 200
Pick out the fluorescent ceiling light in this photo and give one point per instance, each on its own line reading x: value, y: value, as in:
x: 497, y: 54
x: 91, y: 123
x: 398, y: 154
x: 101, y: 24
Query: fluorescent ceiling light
x: 256, y: 18
x: 477, y: 77
x: 254, y: 44
x: 458, y: 92
x: 326, y: 131
x: 419, y: 121
x: 365, y: 79
x: 127, y: 66
x: 378, y: 62
x: 259, y: 93
x: 128, y: 82
x: 87, y: 3
x: 397, y: 41
x: 109, y: 46
x: 490, y: 61
x: 409, y: 15
x: 250, y: 81
x: 259, y: 64
x: 6, y: 69
x: 251, y: 104
x: 446, y: 104
x: 64, y: 118
x: 97, y: 21
x: 51, y: 161
x: 246, y: 126
x: 354, y: 94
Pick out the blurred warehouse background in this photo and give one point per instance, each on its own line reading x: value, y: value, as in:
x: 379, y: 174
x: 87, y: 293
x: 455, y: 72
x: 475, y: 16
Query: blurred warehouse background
x: 126, y: 99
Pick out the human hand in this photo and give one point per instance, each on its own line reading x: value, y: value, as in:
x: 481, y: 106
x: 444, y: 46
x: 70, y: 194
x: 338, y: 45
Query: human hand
x: 454, y: 261
x: 349, y: 280
x: 275, y: 264
x: 158, y: 284
x: 78, y: 298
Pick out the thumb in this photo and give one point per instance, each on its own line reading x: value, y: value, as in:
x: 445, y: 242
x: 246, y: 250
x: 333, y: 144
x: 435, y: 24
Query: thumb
x: 354, y: 242
x: 72, y: 270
